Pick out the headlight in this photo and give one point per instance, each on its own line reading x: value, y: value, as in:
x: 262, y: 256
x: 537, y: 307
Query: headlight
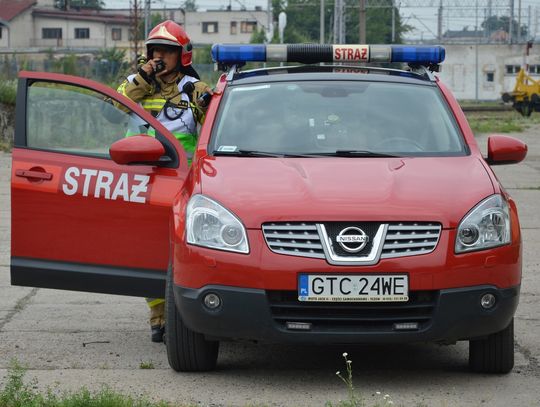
x: 486, y: 225
x: 211, y: 225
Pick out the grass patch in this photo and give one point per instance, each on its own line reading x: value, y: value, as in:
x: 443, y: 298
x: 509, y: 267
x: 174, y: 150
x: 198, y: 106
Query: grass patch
x: 17, y: 393
x: 500, y: 122
x: 480, y: 103
x: 6, y: 146
x: 8, y: 91
x: 146, y: 365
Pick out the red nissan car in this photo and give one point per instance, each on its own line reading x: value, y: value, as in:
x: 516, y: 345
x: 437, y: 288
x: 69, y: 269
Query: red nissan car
x: 324, y: 204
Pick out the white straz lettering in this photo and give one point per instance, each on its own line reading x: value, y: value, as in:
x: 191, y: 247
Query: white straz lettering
x: 105, y: 184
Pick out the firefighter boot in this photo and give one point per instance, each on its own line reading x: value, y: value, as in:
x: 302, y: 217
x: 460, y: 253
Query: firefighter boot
x: 157, y: 319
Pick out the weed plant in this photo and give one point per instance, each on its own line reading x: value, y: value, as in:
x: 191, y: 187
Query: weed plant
x: 355, y: 399
x: 17, y: 393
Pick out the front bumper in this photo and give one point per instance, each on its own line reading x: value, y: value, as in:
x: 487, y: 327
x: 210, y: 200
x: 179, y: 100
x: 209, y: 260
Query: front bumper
x: 253, y: 314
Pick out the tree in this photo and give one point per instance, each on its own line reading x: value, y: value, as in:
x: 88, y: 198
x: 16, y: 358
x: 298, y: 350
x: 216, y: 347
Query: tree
x: 190, y: 5
x: 79, y: 4
x: 495, y: 23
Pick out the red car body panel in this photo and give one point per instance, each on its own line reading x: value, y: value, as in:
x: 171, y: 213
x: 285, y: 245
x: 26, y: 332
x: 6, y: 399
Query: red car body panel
x: 49, y: 225
x: 372, y: 189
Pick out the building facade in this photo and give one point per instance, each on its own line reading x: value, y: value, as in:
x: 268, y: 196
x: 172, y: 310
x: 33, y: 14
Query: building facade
x: 485, y: 71
x: 29, y: 24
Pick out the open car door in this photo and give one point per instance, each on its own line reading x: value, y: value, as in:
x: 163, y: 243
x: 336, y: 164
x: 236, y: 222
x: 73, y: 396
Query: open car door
x: 81, y: 220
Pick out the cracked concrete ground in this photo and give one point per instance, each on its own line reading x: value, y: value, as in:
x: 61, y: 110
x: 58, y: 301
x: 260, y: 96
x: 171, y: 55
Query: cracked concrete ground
x: 69, y: 339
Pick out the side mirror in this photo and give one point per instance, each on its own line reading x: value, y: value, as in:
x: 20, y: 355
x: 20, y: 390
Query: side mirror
x: 505, y: 150
x: 136, y: 149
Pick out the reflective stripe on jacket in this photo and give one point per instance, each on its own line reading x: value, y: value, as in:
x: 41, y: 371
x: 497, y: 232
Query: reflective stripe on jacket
x: 184, y: 128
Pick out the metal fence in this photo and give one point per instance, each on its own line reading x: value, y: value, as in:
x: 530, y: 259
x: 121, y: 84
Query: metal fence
x: 110, y: 72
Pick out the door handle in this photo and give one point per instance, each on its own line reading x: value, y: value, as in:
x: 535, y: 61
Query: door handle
x: 34, y: 174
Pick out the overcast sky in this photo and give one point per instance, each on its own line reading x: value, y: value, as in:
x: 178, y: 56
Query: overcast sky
x: 424, y: 20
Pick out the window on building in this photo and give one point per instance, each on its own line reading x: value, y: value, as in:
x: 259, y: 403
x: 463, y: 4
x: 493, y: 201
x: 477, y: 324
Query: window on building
x: 247, y: 27
x: 234, y: 28
x: 48, y: 33
x: 512, y: 69
x: 116, y: 34
x: 210, y: 27
x: 490, y: 76
x: 82, y: 33
x: 533, y: 69
x: 0, y: 32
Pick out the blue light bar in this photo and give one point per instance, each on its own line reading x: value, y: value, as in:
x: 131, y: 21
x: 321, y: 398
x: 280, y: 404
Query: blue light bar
x: 421, y: 54
x: 229, y: 54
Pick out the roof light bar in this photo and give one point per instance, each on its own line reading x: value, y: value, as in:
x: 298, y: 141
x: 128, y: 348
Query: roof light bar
x: 313, y: 53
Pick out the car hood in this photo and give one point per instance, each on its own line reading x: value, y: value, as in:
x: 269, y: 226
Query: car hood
x: 259, y: 190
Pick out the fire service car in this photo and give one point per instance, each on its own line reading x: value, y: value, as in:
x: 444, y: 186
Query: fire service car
x: 324, y: 204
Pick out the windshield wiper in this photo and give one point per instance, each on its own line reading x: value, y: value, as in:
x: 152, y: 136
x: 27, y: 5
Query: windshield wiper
x: 337, y: 153
x: 361, y: 153
x: 248, y: 153
x: 254, y: 153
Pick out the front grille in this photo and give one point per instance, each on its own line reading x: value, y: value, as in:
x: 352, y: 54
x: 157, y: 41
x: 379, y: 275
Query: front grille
x: 302, y: 239
x: 298, y: 239
x: 353, y: 317
x: 407, y: 239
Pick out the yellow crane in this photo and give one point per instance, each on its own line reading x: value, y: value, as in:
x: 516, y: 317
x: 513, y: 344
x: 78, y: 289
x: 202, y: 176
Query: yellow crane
x: 525, y: 97
x: 526, y: 94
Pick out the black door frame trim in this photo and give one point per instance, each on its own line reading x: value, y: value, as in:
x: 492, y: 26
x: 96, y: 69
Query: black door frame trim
x: 89, y: 278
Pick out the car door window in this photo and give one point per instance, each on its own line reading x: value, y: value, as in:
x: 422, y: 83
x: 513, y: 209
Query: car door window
x: 76, y: 120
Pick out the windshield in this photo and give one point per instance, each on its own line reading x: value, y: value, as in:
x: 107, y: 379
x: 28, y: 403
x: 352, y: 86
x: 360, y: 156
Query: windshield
x: 344, y: 118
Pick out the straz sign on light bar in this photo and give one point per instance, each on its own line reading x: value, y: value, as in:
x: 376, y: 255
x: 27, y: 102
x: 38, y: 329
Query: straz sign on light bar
x: 353, y: 288
x: 351, y: 53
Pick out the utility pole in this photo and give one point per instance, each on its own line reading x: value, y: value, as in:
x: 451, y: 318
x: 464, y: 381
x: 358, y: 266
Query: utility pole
x: 362, y: 22
x: 519, y: 23
x: 321, y: 23
x: 487, y: 28
x: 339, y: 22
x: 135, y: 15
x: 439, y: 21
x: 511, y: 23
x: 476, y: 67
x: 146, y: 17
x: 529, y: 31
x: 393, y: 22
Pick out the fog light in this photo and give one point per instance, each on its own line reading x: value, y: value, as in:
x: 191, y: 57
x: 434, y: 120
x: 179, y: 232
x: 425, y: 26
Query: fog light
x: 487, y: 301
x: 298, y: 326
x: 406, y: 326
x: 212, y: 301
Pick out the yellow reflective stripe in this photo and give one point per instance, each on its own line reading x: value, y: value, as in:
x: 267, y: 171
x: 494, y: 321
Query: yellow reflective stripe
x: 122, y: 88
x: 152, y: 302
x: 152, y: 106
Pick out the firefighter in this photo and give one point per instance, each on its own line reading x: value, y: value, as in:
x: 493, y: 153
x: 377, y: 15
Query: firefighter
x: 168, y: 87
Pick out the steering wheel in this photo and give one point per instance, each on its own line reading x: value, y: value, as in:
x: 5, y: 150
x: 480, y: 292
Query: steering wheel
x: 390, y: 142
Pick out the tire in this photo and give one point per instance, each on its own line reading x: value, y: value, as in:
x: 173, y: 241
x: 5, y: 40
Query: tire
x: 524, y: 108
x: 495, y: 354
x: 187, y: 351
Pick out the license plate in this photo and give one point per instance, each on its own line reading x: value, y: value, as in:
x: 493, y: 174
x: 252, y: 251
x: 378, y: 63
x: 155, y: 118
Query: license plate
x: 353, y: 288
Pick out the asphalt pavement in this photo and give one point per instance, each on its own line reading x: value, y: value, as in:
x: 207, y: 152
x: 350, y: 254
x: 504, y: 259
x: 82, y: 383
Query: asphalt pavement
x: 68, y: 340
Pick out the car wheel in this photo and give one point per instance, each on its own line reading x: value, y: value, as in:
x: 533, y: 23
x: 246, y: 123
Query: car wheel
x: 495, y: 354
x: 187, y: 351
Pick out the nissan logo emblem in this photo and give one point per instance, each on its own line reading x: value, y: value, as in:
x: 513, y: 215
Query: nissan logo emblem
x: 352, y: 239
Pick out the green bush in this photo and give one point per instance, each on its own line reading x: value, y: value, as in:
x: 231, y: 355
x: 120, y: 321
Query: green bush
x: 8, y: 91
